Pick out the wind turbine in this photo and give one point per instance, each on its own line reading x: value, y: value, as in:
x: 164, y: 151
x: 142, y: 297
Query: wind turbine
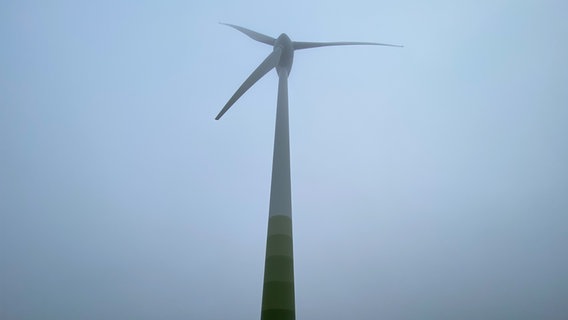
x: 278, y: 289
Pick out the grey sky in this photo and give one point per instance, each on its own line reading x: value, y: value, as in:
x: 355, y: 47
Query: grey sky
x: 428, y: 182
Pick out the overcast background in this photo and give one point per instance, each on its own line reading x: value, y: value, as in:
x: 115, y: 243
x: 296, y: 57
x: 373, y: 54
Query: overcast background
x: 429, y: 182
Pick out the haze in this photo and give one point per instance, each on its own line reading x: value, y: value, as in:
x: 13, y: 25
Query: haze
x: 428, y: 182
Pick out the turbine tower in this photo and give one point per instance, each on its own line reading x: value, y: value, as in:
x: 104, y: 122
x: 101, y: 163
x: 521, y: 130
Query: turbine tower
x: 278, y: 289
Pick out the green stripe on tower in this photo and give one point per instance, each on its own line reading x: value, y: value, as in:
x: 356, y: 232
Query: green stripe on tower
x: 278, y: 291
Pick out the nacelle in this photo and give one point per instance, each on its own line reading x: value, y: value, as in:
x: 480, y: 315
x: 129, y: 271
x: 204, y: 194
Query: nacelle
x: 287, y: 57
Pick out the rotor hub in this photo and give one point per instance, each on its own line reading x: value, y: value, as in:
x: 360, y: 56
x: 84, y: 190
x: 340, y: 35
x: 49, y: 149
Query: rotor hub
x: 284, y: 43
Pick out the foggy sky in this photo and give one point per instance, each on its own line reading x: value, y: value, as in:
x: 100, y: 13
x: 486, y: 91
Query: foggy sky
x: 428, y: 182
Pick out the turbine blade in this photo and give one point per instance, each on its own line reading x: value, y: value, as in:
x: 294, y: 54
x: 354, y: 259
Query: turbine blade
x: 253, y: 34
x: 306, y: 45
x: 270, y: 62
